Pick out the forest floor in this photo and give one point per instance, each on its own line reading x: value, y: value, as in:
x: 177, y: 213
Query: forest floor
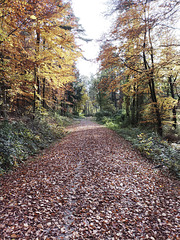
x: 91, y: 185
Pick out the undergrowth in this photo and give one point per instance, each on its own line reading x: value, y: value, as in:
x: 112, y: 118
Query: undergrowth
x: 149, y: 143
x: 19, y: 139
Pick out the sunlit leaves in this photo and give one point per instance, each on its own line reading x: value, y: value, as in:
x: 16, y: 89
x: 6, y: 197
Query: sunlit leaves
x: 34, y: 46
x: 136, y: 59
x: 33, y: 17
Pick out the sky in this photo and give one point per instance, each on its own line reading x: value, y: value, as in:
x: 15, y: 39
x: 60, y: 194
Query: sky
x: 91, y: 17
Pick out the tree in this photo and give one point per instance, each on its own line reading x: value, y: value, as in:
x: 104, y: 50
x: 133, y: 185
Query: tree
x: 135, y: 35
x: 38, y: 51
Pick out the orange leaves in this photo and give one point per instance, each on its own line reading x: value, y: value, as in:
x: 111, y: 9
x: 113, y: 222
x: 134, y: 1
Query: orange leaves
x: 137, y: 59
x: 14, y: 235
x: 36, y: 46
x: 108, y: 57
x: 109, y: 66
x: 90, y: 185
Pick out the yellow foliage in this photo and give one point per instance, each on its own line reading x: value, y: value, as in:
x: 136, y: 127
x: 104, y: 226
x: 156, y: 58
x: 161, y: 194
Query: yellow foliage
x: 41, y: 48
x: 167, y: 103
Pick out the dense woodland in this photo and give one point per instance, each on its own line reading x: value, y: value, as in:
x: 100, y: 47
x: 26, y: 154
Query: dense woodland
x: 139, y: 64
x: 93, y: 184
x: 39, y: 79
x: 139, y: 60
x: 38, y: 55
x: 137, y: 86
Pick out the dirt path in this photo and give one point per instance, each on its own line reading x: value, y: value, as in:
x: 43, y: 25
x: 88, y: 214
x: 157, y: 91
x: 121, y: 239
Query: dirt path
x: 92, y: 185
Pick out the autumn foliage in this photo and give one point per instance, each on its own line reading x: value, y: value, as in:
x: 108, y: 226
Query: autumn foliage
x: 139, y: 62
x: 38, y: 54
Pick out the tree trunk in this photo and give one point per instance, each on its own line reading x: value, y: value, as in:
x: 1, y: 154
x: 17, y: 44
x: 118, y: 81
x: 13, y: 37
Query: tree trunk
x: 114, y: 99
x: 3, y: 106
x: 137, y: 106
x: 4, y: 102
x: 34, y: 100
x: 43, y: 93
x: 133, y: 121
x: 154, y: 100
x: 150, y: 75
x: 173, y: 96
x: 37, y: 52
x: 127, y: 100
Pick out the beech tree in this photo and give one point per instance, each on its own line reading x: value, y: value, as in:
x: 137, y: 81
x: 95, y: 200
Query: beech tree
x: 38, y: 52
x: 138, y: 34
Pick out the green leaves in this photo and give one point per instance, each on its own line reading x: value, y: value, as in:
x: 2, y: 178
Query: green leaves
x: 18, y: 140
x: 147, y: 142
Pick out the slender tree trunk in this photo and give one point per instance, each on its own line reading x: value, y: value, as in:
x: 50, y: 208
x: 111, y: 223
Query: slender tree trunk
x: 34, y: 100
x: 2, y: 83
x: 4, y: 102
x: 17, y: 101
x: 43, y: 93
x: 3, y: 106
x: 150, y: 75
x: 44, y: 81
x: 137, y: 106
x: 100, y: 100
x: 36, y: 78
x: 173, y: 96
x: 133, y: 121
x: 114, y: 99
x: 127, y: 100
x: 120, y: 99
x: 37, y: 52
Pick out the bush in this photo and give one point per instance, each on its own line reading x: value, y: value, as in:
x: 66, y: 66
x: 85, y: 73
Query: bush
x: 16, y: 143
x: 100, y: 115
x: 150, y: 144
x: 120, y: 117
x: 170, y: 134
x: 18, y: 140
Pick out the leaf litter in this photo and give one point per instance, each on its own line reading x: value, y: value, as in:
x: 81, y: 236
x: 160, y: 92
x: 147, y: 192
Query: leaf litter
x: 91, y: 185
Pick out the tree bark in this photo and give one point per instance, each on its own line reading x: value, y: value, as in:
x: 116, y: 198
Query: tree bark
x: 34, y: 100
x: 43, y: 93
x: 150, y: 75
x: 173, y: 96
x: 37, y: 52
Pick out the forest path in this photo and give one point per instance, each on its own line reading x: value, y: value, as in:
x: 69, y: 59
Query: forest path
x: 91, y: 185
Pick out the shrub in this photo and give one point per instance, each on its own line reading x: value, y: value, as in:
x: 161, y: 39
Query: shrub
x: 151, y: 145
x: 120, y: 116
x: 100, y: 115
x: 18, y: 140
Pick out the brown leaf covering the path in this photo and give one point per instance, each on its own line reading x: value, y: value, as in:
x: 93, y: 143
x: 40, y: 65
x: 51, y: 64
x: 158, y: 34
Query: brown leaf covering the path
x: 91, y: 185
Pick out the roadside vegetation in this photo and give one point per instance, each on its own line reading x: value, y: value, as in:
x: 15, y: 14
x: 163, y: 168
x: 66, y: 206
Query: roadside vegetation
x: 137, y: 87
x: 164, y: 152
x: 21, y: 138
